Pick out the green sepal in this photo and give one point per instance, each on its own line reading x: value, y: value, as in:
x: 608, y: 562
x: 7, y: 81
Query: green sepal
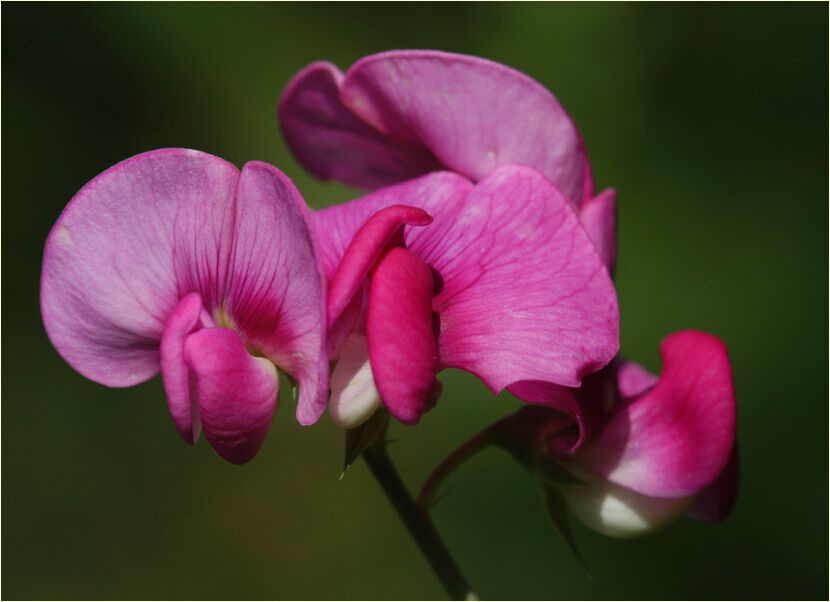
x: 359, y: 438
x: 557, y: 511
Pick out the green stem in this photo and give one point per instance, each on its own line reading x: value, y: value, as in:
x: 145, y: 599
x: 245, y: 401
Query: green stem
x: 417, y: 521
x: 485, y: 438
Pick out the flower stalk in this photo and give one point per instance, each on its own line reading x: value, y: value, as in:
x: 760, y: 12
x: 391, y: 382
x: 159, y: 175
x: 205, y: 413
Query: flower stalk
x: 417, y: 521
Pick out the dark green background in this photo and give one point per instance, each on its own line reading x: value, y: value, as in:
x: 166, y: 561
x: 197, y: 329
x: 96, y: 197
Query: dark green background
x: 711, y: 121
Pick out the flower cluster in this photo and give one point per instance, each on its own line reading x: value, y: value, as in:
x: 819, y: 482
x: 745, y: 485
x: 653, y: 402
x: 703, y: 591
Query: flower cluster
x: 625, y: 451
x: 481, y: 245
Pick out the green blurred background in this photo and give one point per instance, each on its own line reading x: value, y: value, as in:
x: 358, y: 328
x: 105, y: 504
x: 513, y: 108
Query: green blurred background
x: 710, y: 120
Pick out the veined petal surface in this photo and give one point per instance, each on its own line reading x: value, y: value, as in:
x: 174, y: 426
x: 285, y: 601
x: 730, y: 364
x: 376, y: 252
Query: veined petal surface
x: 275, y: 295
x: 335, y: 144
x: 525, y: 295
x: 470, y: 114
x: 164, y: 225
x: 128, y: 246
x: 522, y: 293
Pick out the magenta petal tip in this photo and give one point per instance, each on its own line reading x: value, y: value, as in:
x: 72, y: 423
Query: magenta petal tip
x: 675, y: 439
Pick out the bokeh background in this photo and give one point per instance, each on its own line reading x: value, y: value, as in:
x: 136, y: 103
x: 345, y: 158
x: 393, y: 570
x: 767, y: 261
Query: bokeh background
x: 710, y: 120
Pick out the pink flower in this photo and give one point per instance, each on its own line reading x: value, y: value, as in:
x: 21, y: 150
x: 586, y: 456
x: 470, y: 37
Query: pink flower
x: 637, y: 450
x: 400, y: 114
x: 496, y: 278
x: 174, y: 260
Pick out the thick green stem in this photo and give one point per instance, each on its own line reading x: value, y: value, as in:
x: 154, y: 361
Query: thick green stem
x: 417, y: 521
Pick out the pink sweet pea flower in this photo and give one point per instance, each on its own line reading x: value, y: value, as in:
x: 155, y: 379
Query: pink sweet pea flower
x: 174, y: 260
x: 400, y: 114
x: 637, y: 450
x: 496, y: 278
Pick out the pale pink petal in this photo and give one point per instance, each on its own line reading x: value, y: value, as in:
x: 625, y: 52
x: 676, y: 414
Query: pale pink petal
x: 354, y: 397
x: 674, y: 440
x: 275, y: 295
x: 587, y: 174
x: 399, y: 326
x: 184, y: 320
x: 715, y: 503
x: 599, y: 218
x: 633, y: 379
x: 619, y: 512
x: 524, y: 294
x: 128, y: 246
x: 236, y: 392
x: 334, y: 144
x: 472, y: 115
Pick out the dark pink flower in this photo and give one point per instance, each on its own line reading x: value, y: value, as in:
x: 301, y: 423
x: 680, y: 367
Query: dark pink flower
x: 400, y: 114
x: 637, y: 450
x: 497, y: 278
x: 174, y: 260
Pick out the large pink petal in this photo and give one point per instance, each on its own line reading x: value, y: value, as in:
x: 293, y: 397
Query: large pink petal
x: 399, y: 326
x: 128, y: 246
x: 236, y: 392
x: 525, y: 295
x: 334, y: 144
x: 599, y: 218
x: 472, y: 115
x: 275, y: 294
x: 674, y: 440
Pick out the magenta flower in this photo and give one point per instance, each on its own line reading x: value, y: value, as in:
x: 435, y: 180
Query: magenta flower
x: 174, y: 260
x: 400, y: 114
x: 496, y: 278
x: 636, y: 450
